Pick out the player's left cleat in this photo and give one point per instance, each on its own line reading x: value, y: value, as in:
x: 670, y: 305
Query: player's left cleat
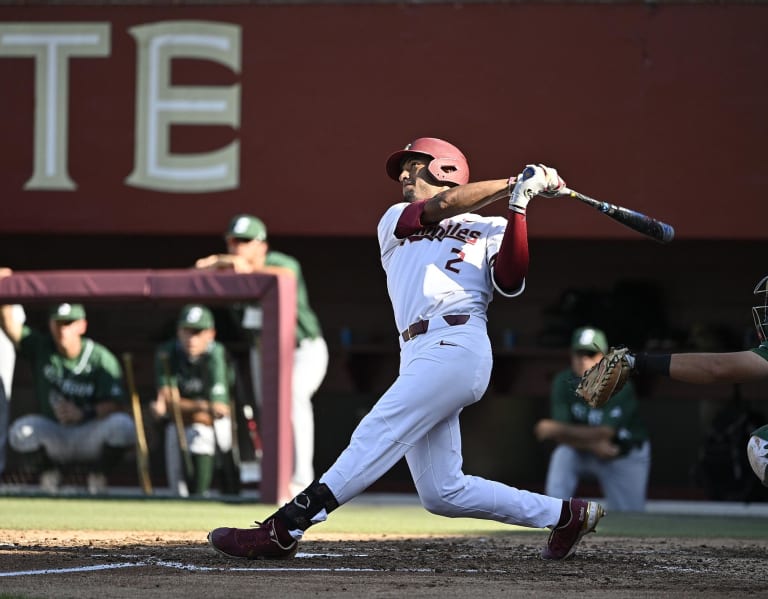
x: 269, y: 540
x: 563, y: 540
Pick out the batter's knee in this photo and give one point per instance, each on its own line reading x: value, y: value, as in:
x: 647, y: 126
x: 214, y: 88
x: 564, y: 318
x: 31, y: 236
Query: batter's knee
x: 441, y: 502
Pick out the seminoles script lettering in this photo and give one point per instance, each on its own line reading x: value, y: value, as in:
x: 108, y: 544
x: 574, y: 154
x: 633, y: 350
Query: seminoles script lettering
x: 455, y: 231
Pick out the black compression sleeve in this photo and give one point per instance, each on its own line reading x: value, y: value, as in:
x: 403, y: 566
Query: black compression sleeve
x: 653, y: 363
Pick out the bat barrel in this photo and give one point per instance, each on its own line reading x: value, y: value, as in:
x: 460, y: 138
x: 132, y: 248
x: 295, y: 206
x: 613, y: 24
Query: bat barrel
x: 637, y: 221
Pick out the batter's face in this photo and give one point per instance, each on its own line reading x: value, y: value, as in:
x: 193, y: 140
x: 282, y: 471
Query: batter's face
x: 416, y: 180
x: 253, y: 250
x: 581, y: 361
x: 195, y: 341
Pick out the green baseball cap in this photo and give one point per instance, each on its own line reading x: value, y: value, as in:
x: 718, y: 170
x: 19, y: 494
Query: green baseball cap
x: 67, y: 312
x: 589, y: 339
x: 195, y: 316
x: 246, y: 226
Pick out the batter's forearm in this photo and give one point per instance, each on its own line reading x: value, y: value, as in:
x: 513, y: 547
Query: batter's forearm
x: 464, y: 198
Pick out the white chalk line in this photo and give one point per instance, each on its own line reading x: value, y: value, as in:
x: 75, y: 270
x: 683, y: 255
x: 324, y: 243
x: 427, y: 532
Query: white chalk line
x: 193, y: 568
x: 70, y: 570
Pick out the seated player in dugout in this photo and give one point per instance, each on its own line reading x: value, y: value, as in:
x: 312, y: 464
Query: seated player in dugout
x: 193, y: 382
x: 82, y: 419
x: 609, y: 444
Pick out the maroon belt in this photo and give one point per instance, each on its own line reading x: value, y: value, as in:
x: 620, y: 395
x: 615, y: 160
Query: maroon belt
x: 422, y: 326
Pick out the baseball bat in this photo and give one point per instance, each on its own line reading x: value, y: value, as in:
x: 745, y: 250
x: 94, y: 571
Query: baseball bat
x: 177, y: 418
x: 142, y: 455
x: 637, y: 221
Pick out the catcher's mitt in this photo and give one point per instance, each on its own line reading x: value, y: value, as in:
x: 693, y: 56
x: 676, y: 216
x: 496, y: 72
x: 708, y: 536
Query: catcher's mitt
x: 606, y: 378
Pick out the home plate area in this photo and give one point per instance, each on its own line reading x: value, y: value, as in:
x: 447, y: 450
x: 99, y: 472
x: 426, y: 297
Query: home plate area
x: 504, y: 565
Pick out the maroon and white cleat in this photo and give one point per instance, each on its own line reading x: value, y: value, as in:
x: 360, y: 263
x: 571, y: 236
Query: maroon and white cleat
x: 563, y: 540
x: 269, y: 540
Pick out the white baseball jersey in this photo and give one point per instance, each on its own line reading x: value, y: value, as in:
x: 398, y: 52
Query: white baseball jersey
x: 443, y: 268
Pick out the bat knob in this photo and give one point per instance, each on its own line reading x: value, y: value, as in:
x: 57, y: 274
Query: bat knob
x: 667, y: 232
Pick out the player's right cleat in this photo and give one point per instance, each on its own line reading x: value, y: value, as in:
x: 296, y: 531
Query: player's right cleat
x: 563, y: 540
x: 269, y: 540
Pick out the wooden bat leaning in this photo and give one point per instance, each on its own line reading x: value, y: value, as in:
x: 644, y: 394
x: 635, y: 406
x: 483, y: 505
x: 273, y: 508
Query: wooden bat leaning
x: 637, y: 221
x: 181, y: 432
x: 142, y: 451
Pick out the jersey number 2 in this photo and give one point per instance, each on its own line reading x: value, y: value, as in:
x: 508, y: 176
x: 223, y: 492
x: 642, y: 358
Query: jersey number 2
x: 452, y: 261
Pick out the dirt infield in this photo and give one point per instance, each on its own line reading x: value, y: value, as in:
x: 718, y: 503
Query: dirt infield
x: 63, y: 564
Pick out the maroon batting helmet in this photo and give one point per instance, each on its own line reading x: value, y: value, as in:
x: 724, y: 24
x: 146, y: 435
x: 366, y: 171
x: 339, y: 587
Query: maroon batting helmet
x: 447, y: 163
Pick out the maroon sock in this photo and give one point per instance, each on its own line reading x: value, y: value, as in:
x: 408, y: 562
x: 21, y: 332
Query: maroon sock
x: 565, y: 514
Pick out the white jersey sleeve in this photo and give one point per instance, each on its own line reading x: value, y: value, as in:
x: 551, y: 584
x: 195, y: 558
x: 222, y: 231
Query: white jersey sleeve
x: 386, y: 229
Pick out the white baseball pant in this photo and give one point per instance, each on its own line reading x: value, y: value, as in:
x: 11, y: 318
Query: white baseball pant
x: 441, y: 372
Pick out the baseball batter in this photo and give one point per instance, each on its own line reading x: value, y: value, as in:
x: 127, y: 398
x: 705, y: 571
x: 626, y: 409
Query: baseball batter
x: 79, y: 387
x: 443, y: 264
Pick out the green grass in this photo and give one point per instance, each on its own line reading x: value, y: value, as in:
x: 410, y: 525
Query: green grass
x: 176, y: 515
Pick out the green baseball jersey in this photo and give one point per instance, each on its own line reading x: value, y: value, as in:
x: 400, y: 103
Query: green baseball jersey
x: 762, y: 350
x: 307, y: 323
x: 91, y: 377
x: 620, y: 412
x: 206, y: 377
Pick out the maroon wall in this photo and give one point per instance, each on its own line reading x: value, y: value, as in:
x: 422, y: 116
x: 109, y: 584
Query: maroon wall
x: 659, y: 108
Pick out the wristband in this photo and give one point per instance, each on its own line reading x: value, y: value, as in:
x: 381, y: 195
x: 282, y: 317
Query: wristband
x: 653, y: 363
